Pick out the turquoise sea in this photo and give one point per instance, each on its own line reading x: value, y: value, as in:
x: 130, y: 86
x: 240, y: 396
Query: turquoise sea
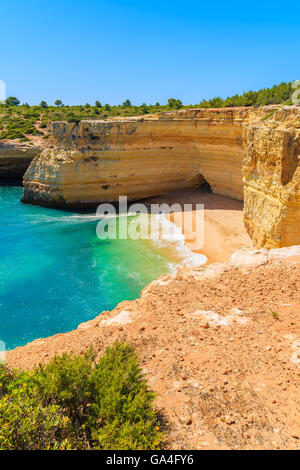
x: 55, y: 273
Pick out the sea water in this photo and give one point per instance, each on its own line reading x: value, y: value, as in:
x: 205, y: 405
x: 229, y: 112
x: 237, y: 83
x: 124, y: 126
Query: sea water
x: 55, y: 273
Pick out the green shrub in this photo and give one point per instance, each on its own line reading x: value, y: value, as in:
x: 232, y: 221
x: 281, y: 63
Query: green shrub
x: 269, y: 115
x: 77, y: 403
x: 174, y: 104
x: 25, y: 423
x: 123, y: 404
x: 17, y: 128
x: 278, y: 94
x: 12, y: 101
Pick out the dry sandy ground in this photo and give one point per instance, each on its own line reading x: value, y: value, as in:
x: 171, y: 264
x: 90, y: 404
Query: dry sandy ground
x: 219, y: 344
x: 224, y: 230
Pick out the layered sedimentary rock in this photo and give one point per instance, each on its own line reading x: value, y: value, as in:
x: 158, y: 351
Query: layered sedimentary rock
x: 271, y: 169
x: 15, y: 158
x: 95, y: 161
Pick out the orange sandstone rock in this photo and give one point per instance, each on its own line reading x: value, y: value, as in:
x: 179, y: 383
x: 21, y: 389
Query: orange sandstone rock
x: 240, y: 152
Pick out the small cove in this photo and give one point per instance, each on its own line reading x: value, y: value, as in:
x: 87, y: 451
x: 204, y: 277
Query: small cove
x: 55, y: 273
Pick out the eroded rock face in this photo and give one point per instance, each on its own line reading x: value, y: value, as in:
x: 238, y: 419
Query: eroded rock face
x: 271, y: 171
x: 15, y: 158
x: 97, y: 161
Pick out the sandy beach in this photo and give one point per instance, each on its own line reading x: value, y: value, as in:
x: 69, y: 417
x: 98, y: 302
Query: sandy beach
x: 224, y: 230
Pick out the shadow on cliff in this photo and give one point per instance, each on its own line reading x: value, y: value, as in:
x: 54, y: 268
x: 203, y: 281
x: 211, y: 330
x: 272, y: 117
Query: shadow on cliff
x: 193, y: 197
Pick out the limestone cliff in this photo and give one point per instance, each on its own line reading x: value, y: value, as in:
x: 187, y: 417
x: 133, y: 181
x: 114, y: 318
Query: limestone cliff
x: 96, y: 161
x: 272, y: 180
x: 15, y: 158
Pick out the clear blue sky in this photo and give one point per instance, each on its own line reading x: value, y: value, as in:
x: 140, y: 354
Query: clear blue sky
x: 145, y: 50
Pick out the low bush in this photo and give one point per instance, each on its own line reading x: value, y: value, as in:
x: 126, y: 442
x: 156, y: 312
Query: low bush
x: 77, y: 403
x: 17, y: 128
x: 25, y: 422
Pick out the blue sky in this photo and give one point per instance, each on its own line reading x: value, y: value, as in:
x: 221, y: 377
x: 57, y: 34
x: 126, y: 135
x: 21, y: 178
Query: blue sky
x: 146, y: 50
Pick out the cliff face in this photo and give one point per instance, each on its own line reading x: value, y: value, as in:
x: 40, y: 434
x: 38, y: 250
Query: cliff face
x: 271, y: 171
x: 96, y: 161
x: 15, y: 158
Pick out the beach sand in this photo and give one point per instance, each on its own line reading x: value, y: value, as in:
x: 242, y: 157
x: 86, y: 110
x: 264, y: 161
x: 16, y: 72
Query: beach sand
x: 224, y: 230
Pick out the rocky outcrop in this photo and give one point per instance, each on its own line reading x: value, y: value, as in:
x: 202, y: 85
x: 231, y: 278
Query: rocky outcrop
x: 96, y: 161
x: 15, y: 158
x: 271, y: 171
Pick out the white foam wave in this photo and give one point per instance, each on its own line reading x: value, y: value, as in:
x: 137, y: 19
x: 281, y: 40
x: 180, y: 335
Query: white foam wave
x: 171, y: 235
x: 164, y: 233
x: 76, y: 218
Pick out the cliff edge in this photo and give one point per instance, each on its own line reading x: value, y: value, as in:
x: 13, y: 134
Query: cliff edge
x: 240, y: 152
x: 220, y: 345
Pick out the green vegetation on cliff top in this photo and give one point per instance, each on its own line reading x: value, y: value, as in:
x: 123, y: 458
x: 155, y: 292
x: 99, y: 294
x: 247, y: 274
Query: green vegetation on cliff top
x: 75, y: 402
x: 24, y: 121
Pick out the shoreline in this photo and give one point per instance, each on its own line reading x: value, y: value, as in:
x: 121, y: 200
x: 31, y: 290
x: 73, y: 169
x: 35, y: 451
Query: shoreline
x: 223, y: 217
x: 210, y: 348
x: 223, y: 231
x: 195, y: 330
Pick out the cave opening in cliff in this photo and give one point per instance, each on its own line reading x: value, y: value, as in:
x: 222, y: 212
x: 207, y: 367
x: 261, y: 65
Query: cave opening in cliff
x: 203, y: 183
